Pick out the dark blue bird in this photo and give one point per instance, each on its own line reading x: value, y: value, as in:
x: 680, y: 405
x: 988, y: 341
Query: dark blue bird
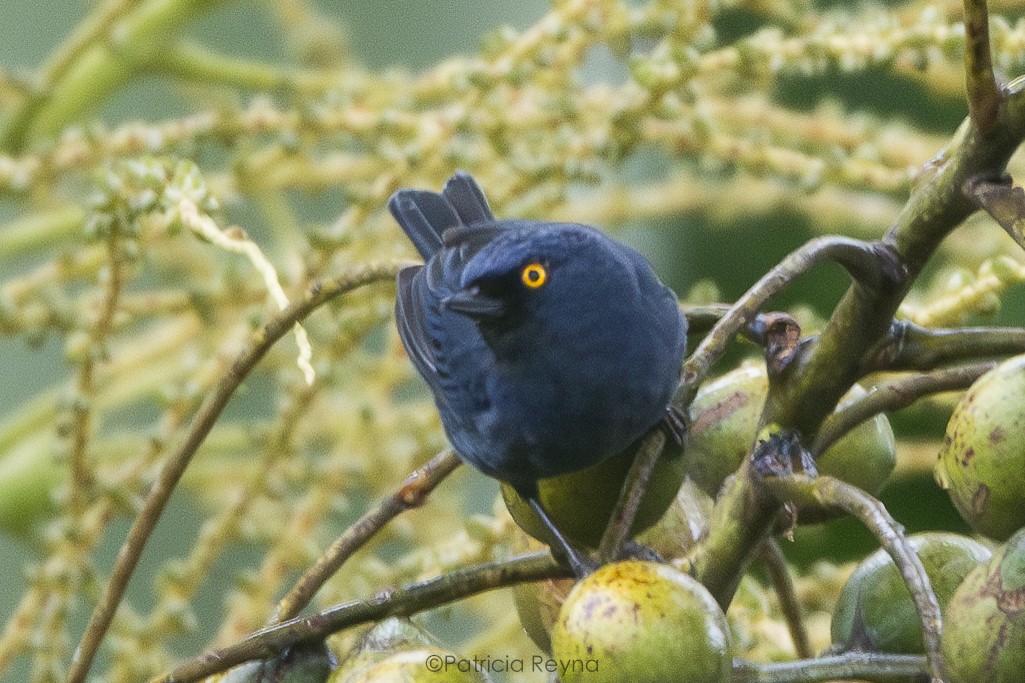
x: 548, y: 346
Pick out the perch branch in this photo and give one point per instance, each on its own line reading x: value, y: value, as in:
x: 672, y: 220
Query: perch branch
x: 390, y: 602
x: 630, y: 497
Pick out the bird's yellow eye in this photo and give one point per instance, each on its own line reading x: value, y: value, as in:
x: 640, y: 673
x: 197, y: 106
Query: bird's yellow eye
x: 534, y: 275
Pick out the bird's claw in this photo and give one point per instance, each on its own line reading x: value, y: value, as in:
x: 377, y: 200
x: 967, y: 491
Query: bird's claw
x: 674, y: 422
x: 578, y: 562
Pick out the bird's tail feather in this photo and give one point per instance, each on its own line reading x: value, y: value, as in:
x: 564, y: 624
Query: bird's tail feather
x: 423, y: 215
x: 426, y: 215
x: 466, y: 197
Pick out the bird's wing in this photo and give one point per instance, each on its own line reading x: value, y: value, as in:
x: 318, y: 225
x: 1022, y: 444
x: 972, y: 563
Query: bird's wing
x: 409, y: 313
x: 658, y: 299
x: 468, y: 200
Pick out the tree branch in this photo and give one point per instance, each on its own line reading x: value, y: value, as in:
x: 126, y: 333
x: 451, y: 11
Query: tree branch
x: 808, y: 391
x: 772, y: 557
x: 390, y: 602
x: 908, y: 346
x: 172, y: 470
x: 825, y: 491
x: 630, y: 497
x: 894, y: 395
x: 981, y: 82
x: 861, y: 259
x: 867, y: 666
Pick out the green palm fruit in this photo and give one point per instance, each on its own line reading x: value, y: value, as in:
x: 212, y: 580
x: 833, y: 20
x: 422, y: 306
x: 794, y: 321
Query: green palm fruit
x: 724, y: 417
x: 642, y: 622
x: 581, y: 503
x: 984, y: 625
x: 875, y: 612
x: 982, y: 462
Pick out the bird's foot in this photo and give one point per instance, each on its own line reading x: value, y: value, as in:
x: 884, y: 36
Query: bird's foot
x: 581, y: 564
x: 674, y: 422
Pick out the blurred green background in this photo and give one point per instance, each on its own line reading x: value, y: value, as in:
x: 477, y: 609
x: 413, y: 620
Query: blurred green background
x: 414, y: 35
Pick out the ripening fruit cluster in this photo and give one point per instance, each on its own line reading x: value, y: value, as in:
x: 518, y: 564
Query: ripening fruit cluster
x: 644, y: 620
x: 981, y: 591
x: 982, y: 467
x: 647, y: 621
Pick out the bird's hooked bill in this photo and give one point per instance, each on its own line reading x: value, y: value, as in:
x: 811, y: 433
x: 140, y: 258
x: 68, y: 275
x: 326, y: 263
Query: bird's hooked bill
x: 474, y: 303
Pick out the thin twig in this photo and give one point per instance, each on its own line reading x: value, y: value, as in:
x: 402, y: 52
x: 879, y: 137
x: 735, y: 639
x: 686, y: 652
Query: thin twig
x: 235, y: 240
x: 701, y: 319
x: 894, y: 395
x: 82, y: 413
x: 863, y: 666
x: 833, y: 493
x: 169, y: 475
x: 861, y: 259
x: 783, y: 584
x: 402, y: 601
x: 908, y: 346
x: 411, y: 494
x: 629, y: 502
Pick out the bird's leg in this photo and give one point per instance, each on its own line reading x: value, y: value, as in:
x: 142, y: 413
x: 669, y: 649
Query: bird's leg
x: 578, y: 562
x: 674, y: 422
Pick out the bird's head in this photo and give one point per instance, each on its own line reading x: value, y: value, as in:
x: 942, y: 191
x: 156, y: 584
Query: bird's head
x: 540, y: 272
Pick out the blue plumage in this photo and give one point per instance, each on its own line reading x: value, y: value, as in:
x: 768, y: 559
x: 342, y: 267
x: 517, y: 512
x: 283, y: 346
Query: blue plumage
x: 548, y: 346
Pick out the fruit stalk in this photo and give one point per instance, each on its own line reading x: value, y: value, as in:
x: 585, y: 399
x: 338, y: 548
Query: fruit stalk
x: 827, y: 491
x: 868, y: 666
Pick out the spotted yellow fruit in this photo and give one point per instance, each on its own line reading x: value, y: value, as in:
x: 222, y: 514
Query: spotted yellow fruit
x: 984, y: 625
x: 982, y: 461
x: 642, y: 622
x: 538, y: 602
